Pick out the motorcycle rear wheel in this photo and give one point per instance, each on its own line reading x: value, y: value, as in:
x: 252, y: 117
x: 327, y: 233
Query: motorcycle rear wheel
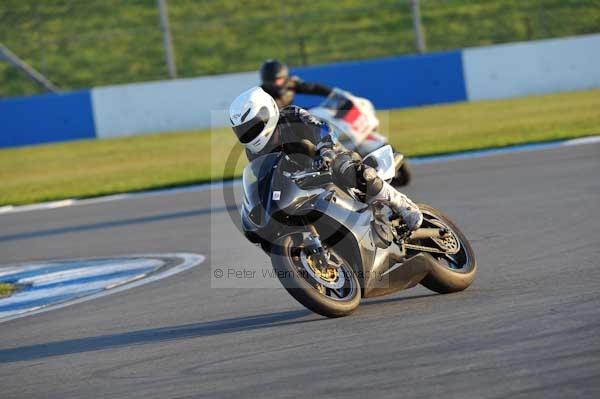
x: 289, y: 263
x: 450, y: 273
x: 403, y: 175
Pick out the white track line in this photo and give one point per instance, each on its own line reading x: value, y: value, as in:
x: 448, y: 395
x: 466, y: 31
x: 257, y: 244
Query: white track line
x: 189, y: 260
x: 211, y: 186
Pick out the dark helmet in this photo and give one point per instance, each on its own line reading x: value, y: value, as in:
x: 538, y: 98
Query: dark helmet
x: 275, y: 78
x: 271, y: 70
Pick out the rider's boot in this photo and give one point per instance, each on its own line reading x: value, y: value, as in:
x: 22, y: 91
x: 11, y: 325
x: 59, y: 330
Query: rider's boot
x: 380, y: 190
x: 349, y: 171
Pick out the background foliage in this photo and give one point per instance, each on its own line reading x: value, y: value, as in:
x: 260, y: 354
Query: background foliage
x: 79, y: 44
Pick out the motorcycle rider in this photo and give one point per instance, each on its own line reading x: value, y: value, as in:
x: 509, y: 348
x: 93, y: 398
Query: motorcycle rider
x: 277, y: 82
x: 262, y: 128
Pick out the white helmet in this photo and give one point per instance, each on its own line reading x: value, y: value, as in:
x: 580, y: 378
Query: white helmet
x: 254, y: 116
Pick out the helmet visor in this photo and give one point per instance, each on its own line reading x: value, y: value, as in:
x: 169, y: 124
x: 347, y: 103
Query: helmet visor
x: 249, y: 130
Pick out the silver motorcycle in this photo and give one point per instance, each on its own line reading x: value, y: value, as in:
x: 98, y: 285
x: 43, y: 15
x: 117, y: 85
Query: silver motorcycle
x: 329, y: 248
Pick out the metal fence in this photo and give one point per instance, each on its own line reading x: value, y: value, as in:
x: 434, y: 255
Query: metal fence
x: 99, y: 42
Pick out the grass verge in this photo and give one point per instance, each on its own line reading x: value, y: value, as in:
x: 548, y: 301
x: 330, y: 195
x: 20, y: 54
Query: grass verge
x: 92, y: 168
x: 103, y: 42
x: 6, y: 289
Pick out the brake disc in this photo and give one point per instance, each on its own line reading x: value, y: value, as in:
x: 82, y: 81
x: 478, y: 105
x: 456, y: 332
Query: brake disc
x: 329, y: 281
x: 449, y: 243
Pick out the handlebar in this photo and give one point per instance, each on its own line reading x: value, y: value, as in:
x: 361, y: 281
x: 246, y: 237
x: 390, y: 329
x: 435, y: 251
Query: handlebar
x: 306, y: 173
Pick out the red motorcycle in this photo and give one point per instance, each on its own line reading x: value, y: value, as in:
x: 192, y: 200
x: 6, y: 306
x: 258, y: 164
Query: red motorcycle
x: 356, y: 124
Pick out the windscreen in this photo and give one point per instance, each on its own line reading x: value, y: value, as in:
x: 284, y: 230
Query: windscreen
x: 337, y: 101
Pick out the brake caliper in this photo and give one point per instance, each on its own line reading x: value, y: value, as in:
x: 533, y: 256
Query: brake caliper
x: 317, y: 259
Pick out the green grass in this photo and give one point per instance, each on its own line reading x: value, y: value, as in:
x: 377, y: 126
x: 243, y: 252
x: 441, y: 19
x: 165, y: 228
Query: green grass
x: 79, y: 44
x: 92, y: 168
x: 6, y: 289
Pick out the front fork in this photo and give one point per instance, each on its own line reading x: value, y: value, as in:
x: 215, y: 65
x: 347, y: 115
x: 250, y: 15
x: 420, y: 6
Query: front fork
x: 314, y: 249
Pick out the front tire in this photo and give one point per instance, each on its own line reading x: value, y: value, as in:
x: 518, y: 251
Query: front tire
x: 286, y: 258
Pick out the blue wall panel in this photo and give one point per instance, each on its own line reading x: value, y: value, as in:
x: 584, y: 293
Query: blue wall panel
x: 393, y: 82
x: 46, y: 118
x: 389, y: 82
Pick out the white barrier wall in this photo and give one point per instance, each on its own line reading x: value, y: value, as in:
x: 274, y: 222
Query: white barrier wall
x: 167, y: 105
x: 499, y: 71
x: 538, y: 67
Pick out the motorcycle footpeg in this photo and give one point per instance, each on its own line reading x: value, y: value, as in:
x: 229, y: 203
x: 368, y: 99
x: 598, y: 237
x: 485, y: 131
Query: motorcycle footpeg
x: 403, y: 232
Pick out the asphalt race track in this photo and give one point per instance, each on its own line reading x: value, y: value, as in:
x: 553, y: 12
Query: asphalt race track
x: 528, y: 327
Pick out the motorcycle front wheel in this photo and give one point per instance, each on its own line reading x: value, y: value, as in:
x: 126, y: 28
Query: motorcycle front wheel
x: 333, y: 293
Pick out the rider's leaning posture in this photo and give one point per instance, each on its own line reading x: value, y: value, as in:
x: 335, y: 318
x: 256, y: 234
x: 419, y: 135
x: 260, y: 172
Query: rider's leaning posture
x: 262, y: 128
x: 277, y: 81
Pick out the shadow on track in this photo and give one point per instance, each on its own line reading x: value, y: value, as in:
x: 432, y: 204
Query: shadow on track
x: 186, y: 331
x: 115, y: 223
x: 392, y: 299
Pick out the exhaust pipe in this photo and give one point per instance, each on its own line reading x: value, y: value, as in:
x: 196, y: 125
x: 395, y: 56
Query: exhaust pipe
x: 423, y: 233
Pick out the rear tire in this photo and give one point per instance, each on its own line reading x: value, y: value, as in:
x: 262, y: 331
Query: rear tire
x: 444, y: 279
x: 403, y: 175
x: 292, y: 279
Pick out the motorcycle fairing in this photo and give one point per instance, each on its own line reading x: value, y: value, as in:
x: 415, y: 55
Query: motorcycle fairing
x: 340, y: 220
x: 378, y: 269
